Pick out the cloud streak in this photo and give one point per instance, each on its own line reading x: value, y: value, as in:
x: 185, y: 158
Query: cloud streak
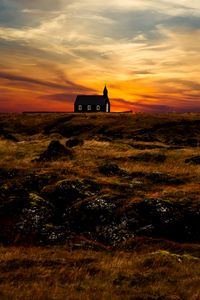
x: 69, y: 85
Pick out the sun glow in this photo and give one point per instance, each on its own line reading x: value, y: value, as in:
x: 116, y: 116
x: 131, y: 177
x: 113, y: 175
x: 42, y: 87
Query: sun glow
x: 148, y: 53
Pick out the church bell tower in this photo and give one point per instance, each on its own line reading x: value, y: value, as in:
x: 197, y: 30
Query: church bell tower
x: 105, y: 92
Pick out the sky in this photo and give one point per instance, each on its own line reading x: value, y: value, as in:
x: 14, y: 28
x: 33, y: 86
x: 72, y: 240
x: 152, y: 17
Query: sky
x: 147, y: 52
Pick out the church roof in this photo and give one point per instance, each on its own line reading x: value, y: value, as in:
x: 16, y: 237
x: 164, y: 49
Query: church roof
x: 91, y: 100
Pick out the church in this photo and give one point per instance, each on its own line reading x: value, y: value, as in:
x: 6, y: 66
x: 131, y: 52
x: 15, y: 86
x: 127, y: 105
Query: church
x: 92, y: 103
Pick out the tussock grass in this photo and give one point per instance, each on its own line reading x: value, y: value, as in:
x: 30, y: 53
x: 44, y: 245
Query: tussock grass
x: 140, y: 268
x: 57, y: 273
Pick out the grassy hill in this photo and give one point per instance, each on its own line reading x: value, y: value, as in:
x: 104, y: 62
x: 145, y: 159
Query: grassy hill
x: 121, y: 190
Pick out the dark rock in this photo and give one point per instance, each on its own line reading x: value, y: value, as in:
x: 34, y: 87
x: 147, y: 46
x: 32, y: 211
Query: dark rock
x: 144, y: 137
x: 66, y: 192
x: 13, y: 196
x: 97, y: 219
x: 8, y: 173
x: 192, y: 142
x: 149, y: 157
x: 182, y: 142
x: 8, y: 136
x: 54, y: 151
x: 161, y: 178
x: 93, y: 213
x: 111, y: 169
x: 104, y: 139
x: 158, y: 178
x: 36, y: 182
x: 173, y: 133
x: 193, y: 160
x: 74, y: 142
x: 166, y: 219
x: 35, y: 225
x: 146, y: 146
x: 70, y: 190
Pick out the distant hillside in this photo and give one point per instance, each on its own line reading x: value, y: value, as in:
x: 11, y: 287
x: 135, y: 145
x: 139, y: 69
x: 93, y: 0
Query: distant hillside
x: 177, y: 129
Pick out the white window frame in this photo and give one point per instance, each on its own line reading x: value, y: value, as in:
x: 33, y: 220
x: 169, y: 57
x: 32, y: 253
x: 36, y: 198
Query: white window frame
x: 107, y: 107
x: 80, y: 107
x: 98, y: 107
x: 89, y: 107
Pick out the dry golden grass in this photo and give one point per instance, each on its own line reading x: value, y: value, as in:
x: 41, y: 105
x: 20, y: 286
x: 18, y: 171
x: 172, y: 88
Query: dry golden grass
x: 93, y: 153
x: 152, y: 272
x: 58, y: 273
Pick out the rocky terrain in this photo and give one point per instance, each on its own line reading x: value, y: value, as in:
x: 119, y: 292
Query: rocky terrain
x: 117, y: 197
x: 101, y: 182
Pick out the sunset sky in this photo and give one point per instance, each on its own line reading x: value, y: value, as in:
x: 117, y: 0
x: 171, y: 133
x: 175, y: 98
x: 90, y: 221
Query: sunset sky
x: 147, y: 51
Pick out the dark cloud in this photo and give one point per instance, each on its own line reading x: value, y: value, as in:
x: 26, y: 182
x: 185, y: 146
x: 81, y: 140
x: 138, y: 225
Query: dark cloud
x: 151, y: 97
x: 143, y: 107
x: 12, y: 16
x: 186, y: 21
x: 36, y: 4
x: 33, y: 53
x: 20, y: 13
x: 63, y: 97
x: 193, y: 85
x: 92, y: 54
x: 130, y: 24
x: 69, y: 85
x: 159, y: 108
x: 154, y: 107
x: 122, y: 101
x: 142, y: 72
x: 172, y: 94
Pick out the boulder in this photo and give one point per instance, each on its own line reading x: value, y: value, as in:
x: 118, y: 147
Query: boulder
x: 13, y: 197
x: 97, y: 219
x: 161, y: 218
x: 111, y: 169
x: 8, y: 136
x: 193, y: 160
x: 55, y: 151
x: 158, y: 177
x: 73, y: 142
x: 162, y: 178
x: 64, y: 193
x: 35, y: 223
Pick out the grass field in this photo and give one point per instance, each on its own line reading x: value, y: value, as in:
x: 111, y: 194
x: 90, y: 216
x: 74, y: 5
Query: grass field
x: 58, y: 273
x: 116, y: 216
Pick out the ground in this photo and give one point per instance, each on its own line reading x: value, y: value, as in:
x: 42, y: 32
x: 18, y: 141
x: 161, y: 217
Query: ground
x: 102, y: 206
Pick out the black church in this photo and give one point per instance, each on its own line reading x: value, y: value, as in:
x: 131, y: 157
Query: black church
x: 92, y: 103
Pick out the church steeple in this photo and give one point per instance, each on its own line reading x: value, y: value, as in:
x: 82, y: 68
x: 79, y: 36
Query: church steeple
x: 105, y: 92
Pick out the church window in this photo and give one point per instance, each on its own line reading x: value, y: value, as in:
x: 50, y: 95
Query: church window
x: 107, y: 107
x: 80, y: 107
x: 98, y: 107
x: 89, y: 107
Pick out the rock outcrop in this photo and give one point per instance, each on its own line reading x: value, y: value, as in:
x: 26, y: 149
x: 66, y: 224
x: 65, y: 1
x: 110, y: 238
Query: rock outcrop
x: 55, y: 151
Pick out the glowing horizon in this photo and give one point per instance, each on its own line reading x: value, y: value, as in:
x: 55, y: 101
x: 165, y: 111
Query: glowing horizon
x: 147, y: 51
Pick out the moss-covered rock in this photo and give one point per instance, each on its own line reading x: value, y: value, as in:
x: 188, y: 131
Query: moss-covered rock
x: 37, y: 213
x: 55, y: 151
